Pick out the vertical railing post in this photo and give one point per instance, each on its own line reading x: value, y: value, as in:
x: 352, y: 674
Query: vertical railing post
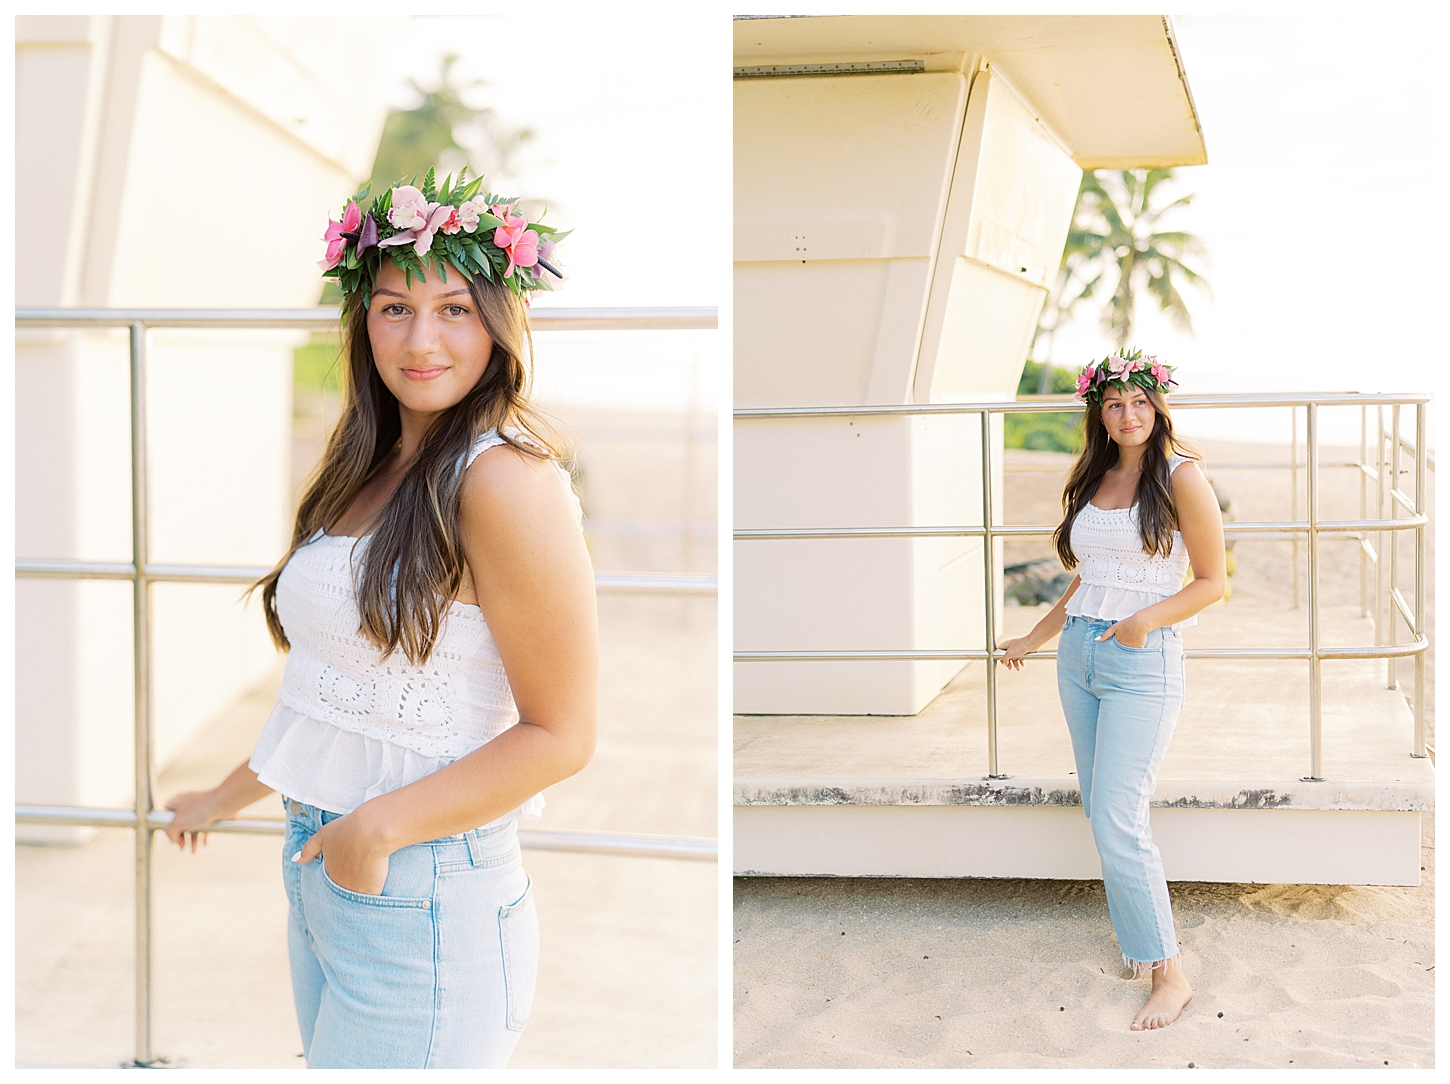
x: 989, y: 571
x: 1363, y: 509
x: 1392, y: 678
x: 1420, y: 509
x: 1294, y: 491
x: 1316, y: 735
x: 141, y: 663
x: 1379, y: 536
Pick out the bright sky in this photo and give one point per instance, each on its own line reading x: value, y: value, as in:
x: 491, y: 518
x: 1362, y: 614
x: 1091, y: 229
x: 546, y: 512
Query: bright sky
x: 1314, y: 205
x: 1319, y: 207
x: 632, y: 144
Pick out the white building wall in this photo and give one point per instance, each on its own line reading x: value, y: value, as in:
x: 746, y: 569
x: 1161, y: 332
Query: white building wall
x: 163, y: 161
x: 895, y: 238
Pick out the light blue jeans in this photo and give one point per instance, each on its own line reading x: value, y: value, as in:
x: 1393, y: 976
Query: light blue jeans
x: 1121, y: 705
x: 437, y: 972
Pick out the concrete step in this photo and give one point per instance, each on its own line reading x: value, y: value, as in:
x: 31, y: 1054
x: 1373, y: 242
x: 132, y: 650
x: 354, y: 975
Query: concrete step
x: 911, y: 796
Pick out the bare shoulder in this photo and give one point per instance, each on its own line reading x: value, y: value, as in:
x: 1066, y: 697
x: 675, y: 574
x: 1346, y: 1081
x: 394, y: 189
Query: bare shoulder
x: 1191, y: 492
x: 504, y: 482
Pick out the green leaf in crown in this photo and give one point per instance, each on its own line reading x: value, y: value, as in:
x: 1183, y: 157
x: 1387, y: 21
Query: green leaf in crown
x: 428, y: 227
x: 1125, y: 368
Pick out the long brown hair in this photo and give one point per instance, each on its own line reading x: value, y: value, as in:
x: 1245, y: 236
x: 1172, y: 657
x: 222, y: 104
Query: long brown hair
x: 413, y: 563
x: 1157, y: 516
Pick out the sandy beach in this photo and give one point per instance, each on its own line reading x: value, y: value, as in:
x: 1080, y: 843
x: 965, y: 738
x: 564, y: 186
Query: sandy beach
x: 875, y: 973
x: 857, y: 973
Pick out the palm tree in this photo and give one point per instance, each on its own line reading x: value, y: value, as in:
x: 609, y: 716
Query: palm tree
x: 1115, y: 224
x: 445, y: 130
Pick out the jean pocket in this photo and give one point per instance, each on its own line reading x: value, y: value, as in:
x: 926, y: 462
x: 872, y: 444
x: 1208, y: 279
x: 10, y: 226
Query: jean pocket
x: 518, y: 929
x: 1152, y: 645
x: 418, y: 903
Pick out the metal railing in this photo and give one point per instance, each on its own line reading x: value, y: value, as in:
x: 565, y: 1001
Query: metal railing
x: 1368, y: 532
x: 143, y: 818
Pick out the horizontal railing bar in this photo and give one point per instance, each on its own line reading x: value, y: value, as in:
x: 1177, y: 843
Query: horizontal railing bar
x: 321, y: 318
x: 1057, y: 468
x: 1396, y: 651
x: 1054, y: 404
x: 853, y: 656
x: 867, y: 532
x: 703, y: 318
x: 1357, y: 526
x: 623, y: 844
x: 1232, y: 529
x: 650, y: 583
x: 324, y: 318
x: 613, y: 582
x: 74, y: 570
x: 1392, y: 651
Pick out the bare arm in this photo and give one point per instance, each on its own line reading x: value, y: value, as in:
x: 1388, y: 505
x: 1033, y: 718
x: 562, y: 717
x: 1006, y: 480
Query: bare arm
x: 1201, y: 524
x: 536, y: 589
x: 195, y: 811
x: 1050, y: 625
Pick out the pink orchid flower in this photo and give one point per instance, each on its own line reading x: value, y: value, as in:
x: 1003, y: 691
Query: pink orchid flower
x: 516, y: 239
x: 452, y: 224
x: 1160, y: 374
x: 523, y: 253
x: 336, y: 242
x: 1117, y: 365
x: 512, y: 229
x: 417, y: 219
x: 409, y: 208
x: 469, y: 212
x: 546, y: 255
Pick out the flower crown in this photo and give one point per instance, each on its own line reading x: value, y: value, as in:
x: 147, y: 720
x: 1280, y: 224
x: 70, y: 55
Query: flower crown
x: 1125, y: 368
x: 478, y: 234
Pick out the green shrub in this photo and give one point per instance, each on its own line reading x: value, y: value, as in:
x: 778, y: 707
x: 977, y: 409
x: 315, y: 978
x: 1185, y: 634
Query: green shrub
x: 316, y: 365
x: 1064, y: 382
x: 1045, y: 432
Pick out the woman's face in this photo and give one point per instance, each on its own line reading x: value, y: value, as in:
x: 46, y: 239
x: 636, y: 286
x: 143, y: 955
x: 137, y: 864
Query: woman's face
x: 429, y: 344
x: 1128, y: 416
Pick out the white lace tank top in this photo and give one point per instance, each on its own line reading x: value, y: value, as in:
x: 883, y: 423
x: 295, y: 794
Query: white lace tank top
x: 1118, y: 578
x: 348, y: 727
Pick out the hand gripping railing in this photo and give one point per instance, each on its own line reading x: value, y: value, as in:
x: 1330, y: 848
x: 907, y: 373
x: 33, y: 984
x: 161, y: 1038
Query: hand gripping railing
x: 1386, y: 473
x: 143, y: 818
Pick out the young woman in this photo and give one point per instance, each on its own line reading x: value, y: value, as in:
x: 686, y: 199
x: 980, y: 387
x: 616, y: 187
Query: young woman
x: 438, y: 603
x: 1138, y: 512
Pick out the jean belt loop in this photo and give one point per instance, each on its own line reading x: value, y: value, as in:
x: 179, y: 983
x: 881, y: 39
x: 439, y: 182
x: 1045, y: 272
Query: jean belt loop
x: 475, y: 849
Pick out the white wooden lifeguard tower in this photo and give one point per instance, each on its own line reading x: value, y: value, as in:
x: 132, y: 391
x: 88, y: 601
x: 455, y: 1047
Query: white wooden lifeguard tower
x: 903, y: 190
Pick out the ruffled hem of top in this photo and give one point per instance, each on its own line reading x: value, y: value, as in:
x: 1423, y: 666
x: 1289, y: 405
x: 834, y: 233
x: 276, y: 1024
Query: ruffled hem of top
x: 338, y: 770
x: 1115, y: 603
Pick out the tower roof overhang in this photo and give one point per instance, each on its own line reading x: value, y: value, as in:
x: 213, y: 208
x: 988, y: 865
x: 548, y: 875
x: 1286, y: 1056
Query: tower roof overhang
x: 1111, y: 88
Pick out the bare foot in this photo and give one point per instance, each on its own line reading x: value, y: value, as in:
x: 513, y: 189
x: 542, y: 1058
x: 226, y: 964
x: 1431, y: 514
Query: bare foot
x: 1170, y: 993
